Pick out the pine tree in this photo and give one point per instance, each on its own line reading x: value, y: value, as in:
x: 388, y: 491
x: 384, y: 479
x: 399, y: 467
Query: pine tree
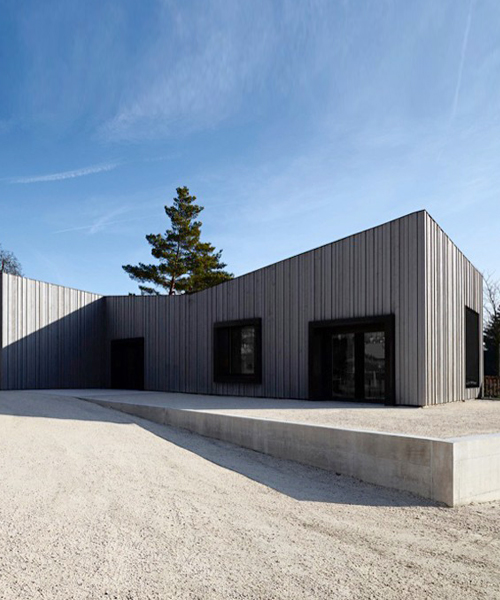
x: 186, y: 264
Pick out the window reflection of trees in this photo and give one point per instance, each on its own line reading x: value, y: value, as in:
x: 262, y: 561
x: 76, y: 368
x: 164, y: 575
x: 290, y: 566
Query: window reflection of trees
x: 247, y: 350
x: 374, y: 365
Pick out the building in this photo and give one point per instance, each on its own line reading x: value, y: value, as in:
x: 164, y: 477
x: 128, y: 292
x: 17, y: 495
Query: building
x: 392, y: 314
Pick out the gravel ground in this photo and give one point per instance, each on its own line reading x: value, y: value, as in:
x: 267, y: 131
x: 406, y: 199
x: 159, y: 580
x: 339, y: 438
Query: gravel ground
x: 449, y: 420
x: 98, y: 504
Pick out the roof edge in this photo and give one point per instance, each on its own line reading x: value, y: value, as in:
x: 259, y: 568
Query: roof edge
x: 452, y: 242
x: 65, y: 287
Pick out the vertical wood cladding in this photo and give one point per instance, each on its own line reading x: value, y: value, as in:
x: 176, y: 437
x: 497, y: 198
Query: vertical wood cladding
x: 52, y: 336
x: 376, y: 272
x: 452, y: 283
x: 59, y: 337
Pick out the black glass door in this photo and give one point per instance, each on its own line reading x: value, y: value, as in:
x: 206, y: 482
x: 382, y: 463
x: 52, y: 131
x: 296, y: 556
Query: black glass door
x: 352, y: 360
x: 343, y: 365
x: 374, y: 365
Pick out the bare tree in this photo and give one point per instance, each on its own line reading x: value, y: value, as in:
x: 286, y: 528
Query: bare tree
x: 492, y: 323
x: 9, y: 263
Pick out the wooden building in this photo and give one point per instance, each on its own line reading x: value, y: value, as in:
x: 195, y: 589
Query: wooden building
x: 392, y: 314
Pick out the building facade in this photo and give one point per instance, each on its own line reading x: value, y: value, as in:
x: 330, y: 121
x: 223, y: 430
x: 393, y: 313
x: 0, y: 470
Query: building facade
x: 392, y: 314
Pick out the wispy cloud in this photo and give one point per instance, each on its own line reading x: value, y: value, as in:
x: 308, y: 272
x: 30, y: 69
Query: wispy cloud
x: 230, y: 52
x: 66, y: 174
x: 102, y: 224
x: 102, y: 214
x: 465, y: 42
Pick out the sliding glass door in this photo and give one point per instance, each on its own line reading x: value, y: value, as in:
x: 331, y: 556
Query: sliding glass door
x: 343, y: 365
x: 374, y: 365
x: 352, y: 360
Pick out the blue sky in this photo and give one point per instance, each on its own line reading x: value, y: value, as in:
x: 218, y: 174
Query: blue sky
x: 294, y: 122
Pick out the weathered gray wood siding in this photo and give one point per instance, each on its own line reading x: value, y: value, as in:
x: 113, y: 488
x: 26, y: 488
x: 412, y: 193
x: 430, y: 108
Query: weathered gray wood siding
x: 52, y: 336
x: 452, y: 283
x: 59, y: 337
x: 379, y: 271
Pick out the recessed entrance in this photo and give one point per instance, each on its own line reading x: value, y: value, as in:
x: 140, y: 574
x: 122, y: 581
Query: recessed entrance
x: 352, y: 360
x: 127, y: 364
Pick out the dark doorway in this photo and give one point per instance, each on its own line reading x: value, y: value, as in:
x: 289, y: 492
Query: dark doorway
x: 352, y: 359
x: 127, y: 364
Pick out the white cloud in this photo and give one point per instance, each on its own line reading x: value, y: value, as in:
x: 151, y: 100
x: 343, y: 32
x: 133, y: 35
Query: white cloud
x: 102, y: 224
x: 66, y: 174
x: 462, y: 60
x: 108, y: 214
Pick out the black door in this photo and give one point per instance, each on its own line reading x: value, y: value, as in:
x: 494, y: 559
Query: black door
x: 127, y: 364
x: 352, y: 360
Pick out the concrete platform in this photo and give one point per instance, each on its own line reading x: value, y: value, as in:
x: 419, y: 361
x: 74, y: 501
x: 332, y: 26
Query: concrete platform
x: 448, y: 464
x: 445, y: 421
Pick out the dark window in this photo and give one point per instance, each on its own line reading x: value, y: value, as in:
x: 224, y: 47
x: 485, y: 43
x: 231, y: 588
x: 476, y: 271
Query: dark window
x: 472, y: 351
x: 237, y: 351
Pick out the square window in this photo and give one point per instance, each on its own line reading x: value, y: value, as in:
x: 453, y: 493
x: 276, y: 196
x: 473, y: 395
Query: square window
x: 237, y: 351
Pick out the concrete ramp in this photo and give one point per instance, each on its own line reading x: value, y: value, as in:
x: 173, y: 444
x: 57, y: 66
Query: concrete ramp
x: 453, y: 471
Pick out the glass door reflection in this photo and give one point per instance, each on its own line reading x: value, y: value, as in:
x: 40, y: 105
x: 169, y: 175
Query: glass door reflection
x: 374, y: 367
x: 343, y: 365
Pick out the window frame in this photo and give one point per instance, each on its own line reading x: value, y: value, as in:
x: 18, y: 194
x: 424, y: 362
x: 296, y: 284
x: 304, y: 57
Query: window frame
x: 477, y: 347
x: 223, y: 377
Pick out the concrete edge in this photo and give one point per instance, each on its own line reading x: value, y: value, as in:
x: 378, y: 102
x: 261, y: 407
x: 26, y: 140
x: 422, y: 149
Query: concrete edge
x: 453, y: 471
x: 423, y: 466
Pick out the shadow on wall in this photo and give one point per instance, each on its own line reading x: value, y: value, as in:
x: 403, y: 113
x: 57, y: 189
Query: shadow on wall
x: 303, y: 483
x: 69, y: 352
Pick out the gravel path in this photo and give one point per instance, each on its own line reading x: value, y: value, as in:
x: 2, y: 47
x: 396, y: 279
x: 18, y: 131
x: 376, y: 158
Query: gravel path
x: 449, y: 420
x: 97, y: 504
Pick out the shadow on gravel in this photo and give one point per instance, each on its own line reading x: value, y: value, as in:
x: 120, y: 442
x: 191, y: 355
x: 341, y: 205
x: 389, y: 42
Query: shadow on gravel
x: 301, y: 482
x: 40, y: 405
